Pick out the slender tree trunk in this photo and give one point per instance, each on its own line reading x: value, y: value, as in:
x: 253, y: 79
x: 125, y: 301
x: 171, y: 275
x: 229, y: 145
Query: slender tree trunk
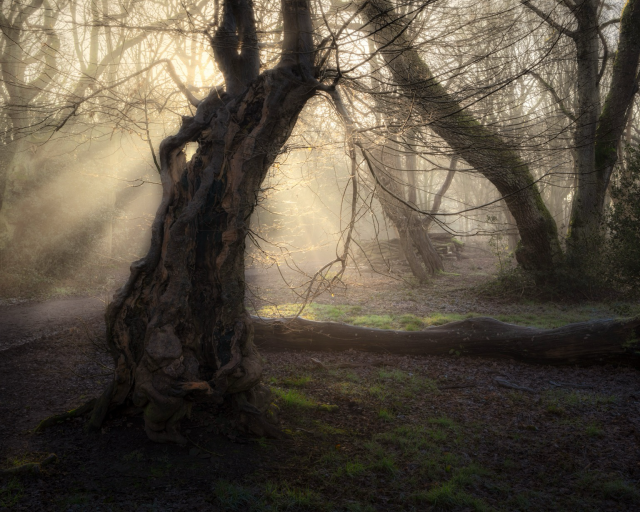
x: 420, y: 236
x: 598, y: 134
x: 437, y: 199
x: 411, y: 164
x: 618, y: 105
x: 7, y: 153
x: 178, y: 329
x: 399, y: 214
x: 584, y: 225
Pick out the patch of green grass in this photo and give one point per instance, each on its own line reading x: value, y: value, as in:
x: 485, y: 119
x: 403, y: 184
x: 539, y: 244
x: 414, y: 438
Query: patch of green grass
x: 385, y: 415
x: 411, y: 323
x: 376, y: 451
x: 556, y: 410
x: 352, y: 377
x: 232, y: 496
x: 386, y: 464
x: 374, y: 321
x: 410, y: 384
x: 351, y: 469
x: 445, y: 318
x: 11, y: 492
x: 347, y: 388
x: 293, y: 398
x: 396, y: 375
x: 448, y: 496
x: 19, y: 460
x: 318, y: 312
x: 359, y: 507
x: 325, y: 428
x: 594, y: 431
x: 443, y: 422
x: 328, y: 407
x: 298, y: 382
x: 158, y: 471
x: 509, y: 463
x: 378, y: 392
x: 542, y: 316
x: 437, y: 434
x: 282, y: 496
x: 468, y: 475
x: 559, y: 399
x: 411, y: 440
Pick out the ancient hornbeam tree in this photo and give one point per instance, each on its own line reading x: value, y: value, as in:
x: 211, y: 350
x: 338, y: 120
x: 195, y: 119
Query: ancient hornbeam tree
x: 178, y: 330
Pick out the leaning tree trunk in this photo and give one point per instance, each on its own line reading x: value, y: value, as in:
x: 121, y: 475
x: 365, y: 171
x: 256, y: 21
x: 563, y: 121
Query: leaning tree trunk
x: 399, y: 214
x: 178, y: 329
x: 418, y: 228
x: 483, y: 149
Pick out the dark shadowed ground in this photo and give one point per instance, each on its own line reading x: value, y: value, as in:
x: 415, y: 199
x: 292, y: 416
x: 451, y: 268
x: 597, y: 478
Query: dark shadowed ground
x: 367, y: 433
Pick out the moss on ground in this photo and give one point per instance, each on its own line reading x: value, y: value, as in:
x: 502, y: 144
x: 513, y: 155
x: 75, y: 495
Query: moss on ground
x: 546, y: 316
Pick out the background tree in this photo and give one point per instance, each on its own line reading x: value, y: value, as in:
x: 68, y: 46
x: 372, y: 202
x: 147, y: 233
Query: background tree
x: 597, y: 131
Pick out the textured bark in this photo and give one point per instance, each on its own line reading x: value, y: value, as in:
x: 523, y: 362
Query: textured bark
x: 584, y: 224
x: 401, y: 217
x: 595, y: 342
x: 430, y: 257
x: 178, y: 329
x: 410, y: 230
x: 598, y: 134
x: 23, y: 89
x: 476, y: 144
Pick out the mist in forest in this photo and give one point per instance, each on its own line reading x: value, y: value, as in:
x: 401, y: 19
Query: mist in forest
x: 90, y: 91
x: 356, y: 255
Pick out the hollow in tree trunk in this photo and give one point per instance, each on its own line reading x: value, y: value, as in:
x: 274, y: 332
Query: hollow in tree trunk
x: 178, y: 330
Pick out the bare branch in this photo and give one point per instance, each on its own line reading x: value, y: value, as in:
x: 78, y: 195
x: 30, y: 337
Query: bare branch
x: 610, y: 22
x: 555, y: 95
x: 75, y: 105
x: 605, y: 55
x: 437, y: 201
x: 547, y: 19
x: 183, y: 88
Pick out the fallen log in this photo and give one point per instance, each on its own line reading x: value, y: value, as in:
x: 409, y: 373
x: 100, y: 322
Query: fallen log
x: 585, y: 343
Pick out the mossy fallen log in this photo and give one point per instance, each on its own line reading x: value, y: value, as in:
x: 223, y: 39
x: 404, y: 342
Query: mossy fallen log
x: 585, y: 343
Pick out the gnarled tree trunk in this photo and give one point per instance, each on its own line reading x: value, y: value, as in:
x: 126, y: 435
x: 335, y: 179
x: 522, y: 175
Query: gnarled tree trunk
x: 178, y: 330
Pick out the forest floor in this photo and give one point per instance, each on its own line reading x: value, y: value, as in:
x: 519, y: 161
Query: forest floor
x: 366, y: 433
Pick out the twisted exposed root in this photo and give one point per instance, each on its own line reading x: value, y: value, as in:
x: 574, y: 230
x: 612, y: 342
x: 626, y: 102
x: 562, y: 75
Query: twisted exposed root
x: 74, y: 413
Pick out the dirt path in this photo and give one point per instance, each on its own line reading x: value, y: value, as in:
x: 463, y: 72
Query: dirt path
x: 26, y: 322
